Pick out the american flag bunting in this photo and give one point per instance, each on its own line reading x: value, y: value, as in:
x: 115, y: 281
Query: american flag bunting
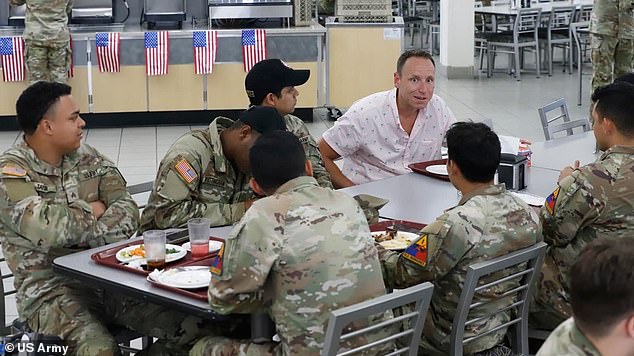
x: 205, y: 47
x: 108, y: 51
x: 12, y: 53
x: 156, y: 52
x: 253, y: 47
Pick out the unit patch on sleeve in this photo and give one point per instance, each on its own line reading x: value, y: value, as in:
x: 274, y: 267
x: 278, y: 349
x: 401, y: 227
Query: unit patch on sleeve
x: 216, y: 265
x: 551, y: 200
x: 417, y: 252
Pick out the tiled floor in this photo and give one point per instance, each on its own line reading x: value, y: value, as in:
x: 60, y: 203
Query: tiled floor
x: 509, y: 104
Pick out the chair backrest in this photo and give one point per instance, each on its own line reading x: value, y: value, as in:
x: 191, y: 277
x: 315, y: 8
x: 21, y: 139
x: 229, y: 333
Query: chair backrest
x: 527, y: 22
x: 522, y: 267
x: 558, y: 111
x: 339, y: 319
x: 561, y: 17
x: 6, y: 289
x: 500, y: 2
x: 139, y: 190
x: 584, y: 13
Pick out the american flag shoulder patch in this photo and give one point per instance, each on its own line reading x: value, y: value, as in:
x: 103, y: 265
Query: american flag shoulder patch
x: 186, y: 171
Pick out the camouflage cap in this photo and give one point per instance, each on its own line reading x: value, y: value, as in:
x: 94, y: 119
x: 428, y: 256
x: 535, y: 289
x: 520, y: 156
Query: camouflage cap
x: 263, y: 119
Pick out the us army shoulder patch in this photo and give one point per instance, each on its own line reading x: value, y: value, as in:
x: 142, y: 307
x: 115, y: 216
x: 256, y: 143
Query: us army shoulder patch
x: 551, y: 200
x: 185, y: 170
x: 13, y: 171
x: 417, y: 252
x: 216, y: 265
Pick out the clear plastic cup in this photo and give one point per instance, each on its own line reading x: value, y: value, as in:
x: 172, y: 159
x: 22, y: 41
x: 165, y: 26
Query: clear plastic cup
x: 199, y: 236
x: 154, y: 241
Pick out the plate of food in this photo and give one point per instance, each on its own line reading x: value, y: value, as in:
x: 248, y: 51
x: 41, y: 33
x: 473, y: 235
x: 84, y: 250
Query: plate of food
x: 187, y: 277
x: 439, y: 169
x: 213, y: 246
x: 137, y: 253
x: 394, y: 240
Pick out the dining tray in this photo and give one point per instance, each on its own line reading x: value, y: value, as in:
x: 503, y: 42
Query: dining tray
x: 108, y: 257
x: 421, y: 168
x: 400, y: 225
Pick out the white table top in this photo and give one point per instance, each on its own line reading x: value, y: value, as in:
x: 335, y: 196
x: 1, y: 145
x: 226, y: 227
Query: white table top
x: 505, y: 10
x: 561, y: 152
x: 422, y: 199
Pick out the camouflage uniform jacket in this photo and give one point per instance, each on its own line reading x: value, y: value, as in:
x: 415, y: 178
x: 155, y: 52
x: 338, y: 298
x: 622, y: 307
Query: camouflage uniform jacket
x: 46, y: 20
x: 45, y: 213
x: 613, y: 18
x: 487, y: 223
x: 298, y: 128
x: 299, y: 254
x: 195, y: 180
x: 567, y: 340
x: 597, y: 200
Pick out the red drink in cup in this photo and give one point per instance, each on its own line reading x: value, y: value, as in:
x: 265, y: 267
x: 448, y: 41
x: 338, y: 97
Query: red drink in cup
x: 199, y: 236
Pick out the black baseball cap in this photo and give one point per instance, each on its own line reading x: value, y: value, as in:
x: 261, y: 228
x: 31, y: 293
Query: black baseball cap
x: 271, y: 76
x: 263, y: 119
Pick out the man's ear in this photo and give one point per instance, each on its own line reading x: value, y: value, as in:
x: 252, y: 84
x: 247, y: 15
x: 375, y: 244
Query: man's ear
x: 453, y: 169
x: 245, y: 131
x: 45, y: 126
x: 629, y: 326
x: 269, y: 100
x: 308, y: 167
x: 256, y: 187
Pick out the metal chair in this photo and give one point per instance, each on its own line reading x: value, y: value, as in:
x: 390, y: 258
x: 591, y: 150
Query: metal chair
x: 137, y: 189
x: 560, y: 110
x: 520, y: 267
x: 557, y: 33
x: 524, y: 36
x: 339, y: 319
x: 6, y: 277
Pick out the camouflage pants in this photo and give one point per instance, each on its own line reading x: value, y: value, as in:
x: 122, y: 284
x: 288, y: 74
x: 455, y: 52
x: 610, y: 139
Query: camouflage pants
x: 611, y: 58
x: 80, y: 319
x: 222, y: 346
x: 47, y: 61
x: 550, y: 307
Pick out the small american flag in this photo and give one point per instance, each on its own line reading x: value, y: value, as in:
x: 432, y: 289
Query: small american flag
x: 12, y: 53
x: 253, y: 47
x: 108, y: 46
x: 156, y: 52
x: 186, y: 171
x: 71, y: 68
x: 205, y: 46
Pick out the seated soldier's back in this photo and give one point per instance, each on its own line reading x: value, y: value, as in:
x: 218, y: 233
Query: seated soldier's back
x: 328, y: 261
x: 490, y: 224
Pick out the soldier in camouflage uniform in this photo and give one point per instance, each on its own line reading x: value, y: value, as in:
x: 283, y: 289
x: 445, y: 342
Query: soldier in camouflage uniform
x: 46, y: 39
x: 602, y: 295
x: 488, y: 222
x: 611, y: 40
x: 299, y: 253
x: 206, y: 172
x: 58, y: 196
x: 272, y: 83
x: 589, y: 202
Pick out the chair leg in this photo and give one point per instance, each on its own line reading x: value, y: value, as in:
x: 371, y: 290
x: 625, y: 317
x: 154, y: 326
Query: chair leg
x: 537, y: 59
x: 517, y: 63
x: 550, y: 53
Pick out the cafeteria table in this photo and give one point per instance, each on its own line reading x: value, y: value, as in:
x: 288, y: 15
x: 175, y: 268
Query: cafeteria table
x: 80, y: 266
x: 419, y: 198
x: 561, y: 152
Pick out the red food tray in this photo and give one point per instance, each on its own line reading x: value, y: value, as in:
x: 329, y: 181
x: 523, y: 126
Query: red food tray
x: 401, y: 225
x: 421, y: 168
x: 108, y: 258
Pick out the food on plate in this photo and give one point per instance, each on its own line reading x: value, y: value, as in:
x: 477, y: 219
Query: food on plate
x: 394, y: 240
x: 140, y: 252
